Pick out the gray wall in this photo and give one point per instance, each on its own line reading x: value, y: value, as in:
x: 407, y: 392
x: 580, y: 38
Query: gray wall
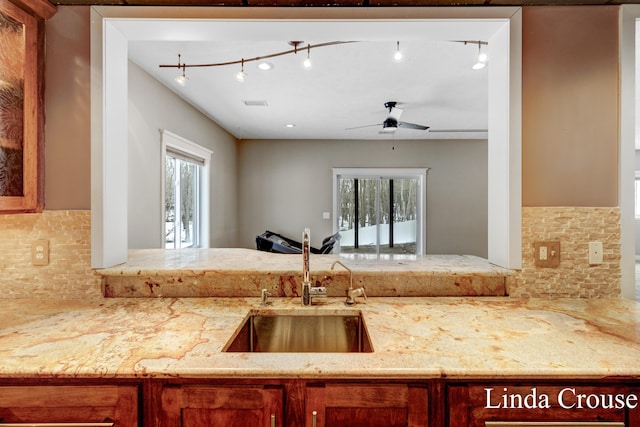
x: 153, y: 107
x: 285, y: 185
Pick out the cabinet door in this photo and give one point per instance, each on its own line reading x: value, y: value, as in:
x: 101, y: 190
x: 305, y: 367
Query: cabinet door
x: 21, y: 110
x: 69, y: 404
x: 341, y: 405
x: 476, y: 405
x: 196, y: 406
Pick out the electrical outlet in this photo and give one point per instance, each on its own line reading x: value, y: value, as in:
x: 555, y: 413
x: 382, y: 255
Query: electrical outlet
x: 595, y: 253
x: 547, y: 254
x: 40, y: 252
x: 543, y: 253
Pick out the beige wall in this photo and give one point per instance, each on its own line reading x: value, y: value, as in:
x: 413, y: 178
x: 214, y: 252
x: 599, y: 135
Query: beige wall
x: 67, y: 110
x: 570, y: 106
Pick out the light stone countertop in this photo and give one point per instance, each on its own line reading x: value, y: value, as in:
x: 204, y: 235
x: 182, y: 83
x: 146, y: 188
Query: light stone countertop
x: 412, y: 338
x: 237, y: 272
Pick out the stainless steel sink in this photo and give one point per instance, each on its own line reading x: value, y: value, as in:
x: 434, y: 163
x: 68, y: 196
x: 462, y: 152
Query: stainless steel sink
x: 301, y: 333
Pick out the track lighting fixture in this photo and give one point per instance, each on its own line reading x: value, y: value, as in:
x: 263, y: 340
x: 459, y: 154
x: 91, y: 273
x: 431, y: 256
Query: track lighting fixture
x: 397, y: 56
x: 307, y: 62
x: 263, y: 65
x: 240, y: 75
x: 482, y: 58
x: 182, y: 78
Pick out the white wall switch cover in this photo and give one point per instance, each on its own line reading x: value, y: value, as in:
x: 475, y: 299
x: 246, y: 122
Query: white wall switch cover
x: 326, y: 215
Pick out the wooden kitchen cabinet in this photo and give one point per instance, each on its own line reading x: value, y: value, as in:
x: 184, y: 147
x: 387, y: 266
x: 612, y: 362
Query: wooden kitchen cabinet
x: 474, y: 405
x: 22, y: 104
x: 366, y: 405
x: 117, y: 404
x: 203, y: 405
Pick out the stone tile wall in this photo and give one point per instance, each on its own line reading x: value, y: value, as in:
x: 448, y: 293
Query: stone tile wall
x: 574, y: 228
x: 68, y: 274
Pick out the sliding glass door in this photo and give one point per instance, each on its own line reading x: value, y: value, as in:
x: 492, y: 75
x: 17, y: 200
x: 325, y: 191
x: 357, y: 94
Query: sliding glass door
x: 380, y: 211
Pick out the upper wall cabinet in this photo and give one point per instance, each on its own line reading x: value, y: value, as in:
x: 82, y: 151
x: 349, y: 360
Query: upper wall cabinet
x: 22, y: 104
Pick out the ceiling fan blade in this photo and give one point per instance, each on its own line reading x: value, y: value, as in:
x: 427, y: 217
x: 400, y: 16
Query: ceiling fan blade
x: 457, y: 130
x: 362, y: 127
x: 412, y: 126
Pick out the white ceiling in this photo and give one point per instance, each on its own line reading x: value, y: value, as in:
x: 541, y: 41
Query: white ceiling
x: 347, y: 87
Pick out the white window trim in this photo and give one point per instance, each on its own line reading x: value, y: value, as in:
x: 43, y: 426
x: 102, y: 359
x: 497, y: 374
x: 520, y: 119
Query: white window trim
x: 415, y: 173
x: 637, y: 178
x: 171, y: 140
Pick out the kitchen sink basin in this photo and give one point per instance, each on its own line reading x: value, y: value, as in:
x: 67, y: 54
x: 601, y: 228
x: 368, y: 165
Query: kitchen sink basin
x: 301, y: 333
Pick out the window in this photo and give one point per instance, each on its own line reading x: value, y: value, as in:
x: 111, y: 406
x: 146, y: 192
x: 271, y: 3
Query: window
x: 380, y: 211
x: 185, y: 209
x: 637, y: 194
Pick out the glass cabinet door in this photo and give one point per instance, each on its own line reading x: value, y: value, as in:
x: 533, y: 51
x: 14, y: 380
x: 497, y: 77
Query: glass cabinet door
x: 20, y: 111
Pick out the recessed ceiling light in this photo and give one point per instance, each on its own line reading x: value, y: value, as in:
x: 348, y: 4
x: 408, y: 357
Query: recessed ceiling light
x: 289, y: 125
x: 265, y: 66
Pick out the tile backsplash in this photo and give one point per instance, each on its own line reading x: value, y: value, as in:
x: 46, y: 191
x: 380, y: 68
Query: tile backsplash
x: 574, y: 228
x: 68, y: 274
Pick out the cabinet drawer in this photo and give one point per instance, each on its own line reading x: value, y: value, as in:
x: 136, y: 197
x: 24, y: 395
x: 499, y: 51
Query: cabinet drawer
x: 107, y: 405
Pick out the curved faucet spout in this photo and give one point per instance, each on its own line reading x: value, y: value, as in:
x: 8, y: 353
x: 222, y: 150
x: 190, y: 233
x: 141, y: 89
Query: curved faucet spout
x: 346, y: 268
x: 351, y: 293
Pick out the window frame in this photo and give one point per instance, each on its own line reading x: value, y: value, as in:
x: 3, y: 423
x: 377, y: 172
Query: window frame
x: 189, y: 149
x: 636, y: 195
x: 419, y: 174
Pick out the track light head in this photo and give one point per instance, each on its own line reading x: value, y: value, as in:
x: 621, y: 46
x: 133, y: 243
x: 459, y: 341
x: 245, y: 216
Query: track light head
x: 397, y: 56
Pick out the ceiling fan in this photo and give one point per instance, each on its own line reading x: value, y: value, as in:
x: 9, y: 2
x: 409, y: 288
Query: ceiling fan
x: 392, y: 122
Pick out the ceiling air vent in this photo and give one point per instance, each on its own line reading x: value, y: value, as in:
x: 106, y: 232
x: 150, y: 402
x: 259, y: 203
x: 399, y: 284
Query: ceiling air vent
x: 255, y: 102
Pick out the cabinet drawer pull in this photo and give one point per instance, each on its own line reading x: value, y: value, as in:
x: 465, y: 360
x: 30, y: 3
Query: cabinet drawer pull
x: 273, y: 420
x: 551, y: 423
x: 314, y: 419
x: 56, y: 424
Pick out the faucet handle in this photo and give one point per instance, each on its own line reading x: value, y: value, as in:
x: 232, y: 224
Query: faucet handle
x: 352, y: 294
x: 359, y: 292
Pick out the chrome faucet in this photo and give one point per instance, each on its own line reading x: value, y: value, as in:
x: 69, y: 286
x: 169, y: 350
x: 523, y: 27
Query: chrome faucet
x: 351, y: 293
x: 308, y: 292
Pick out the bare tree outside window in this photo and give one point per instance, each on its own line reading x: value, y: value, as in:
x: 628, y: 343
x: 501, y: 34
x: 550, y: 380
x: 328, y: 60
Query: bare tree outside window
x: 181, y: 203
x: 385, y: 211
